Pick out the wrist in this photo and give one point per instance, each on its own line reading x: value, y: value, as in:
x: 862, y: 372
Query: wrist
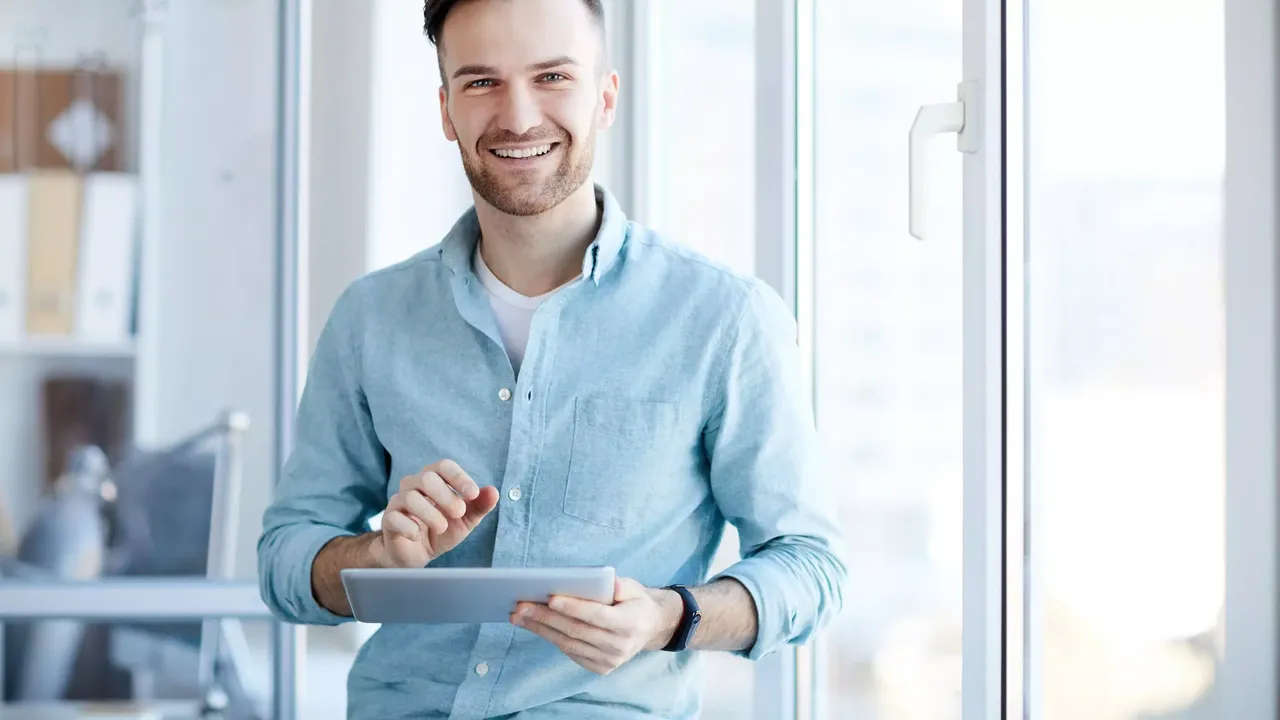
x: 670, y: 611
x: 376, y: 552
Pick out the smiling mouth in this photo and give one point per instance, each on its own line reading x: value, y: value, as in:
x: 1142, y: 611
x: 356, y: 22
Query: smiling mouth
x: 523, y: 153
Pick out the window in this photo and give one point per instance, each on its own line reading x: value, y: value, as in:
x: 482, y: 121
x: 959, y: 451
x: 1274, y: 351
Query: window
x: 1127, y: 366
x: 703, y: 158
x: 888, y: 357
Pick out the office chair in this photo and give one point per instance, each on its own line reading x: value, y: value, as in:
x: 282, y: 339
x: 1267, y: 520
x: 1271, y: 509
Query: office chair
x: 162, y: 513
x: 176, y: 516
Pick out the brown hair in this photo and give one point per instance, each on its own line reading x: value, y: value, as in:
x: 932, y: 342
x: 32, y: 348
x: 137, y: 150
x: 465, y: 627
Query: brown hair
x: 434, y: 13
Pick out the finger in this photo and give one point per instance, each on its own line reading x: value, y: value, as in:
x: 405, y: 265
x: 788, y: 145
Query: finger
x: 434, y: 488
x: 607, y: 617
x: 486, y: 500
x: 423, y: 509
x: 586, y: 655
x: 601, y: 639
x: 624, y: 588
x: 396, y: 522
x: 457, y: 478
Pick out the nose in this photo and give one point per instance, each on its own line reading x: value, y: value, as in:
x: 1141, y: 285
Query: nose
x: 520, y: 112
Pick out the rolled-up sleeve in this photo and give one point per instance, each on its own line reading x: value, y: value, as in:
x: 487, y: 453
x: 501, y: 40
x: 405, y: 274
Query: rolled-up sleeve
x: 333, y: 481
x: 769, y: 480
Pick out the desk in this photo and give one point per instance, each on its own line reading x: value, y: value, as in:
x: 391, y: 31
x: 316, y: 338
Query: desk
x: 160, y: 710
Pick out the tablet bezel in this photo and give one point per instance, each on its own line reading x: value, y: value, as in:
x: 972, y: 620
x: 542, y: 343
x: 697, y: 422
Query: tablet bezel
x: 467, y: 594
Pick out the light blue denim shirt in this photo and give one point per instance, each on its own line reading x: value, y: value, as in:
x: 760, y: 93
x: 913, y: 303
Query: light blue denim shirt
x: 660, y: 395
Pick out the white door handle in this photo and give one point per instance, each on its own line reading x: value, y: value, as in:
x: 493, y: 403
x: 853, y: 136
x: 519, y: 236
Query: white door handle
x: 953, y: 117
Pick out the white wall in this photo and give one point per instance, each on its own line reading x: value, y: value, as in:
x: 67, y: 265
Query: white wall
x: 416, y: 184
x: 341, y: 131
x: 384, y: 181
x: 213, y: 338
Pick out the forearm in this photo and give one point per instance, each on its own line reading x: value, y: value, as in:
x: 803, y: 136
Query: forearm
x: 728, y: 616
x: 359, y: 551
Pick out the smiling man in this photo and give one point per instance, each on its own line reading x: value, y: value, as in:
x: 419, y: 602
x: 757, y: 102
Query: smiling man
x: 553, y: 385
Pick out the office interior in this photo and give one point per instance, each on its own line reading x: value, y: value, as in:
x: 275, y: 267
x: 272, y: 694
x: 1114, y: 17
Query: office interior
x: 1043, y: 356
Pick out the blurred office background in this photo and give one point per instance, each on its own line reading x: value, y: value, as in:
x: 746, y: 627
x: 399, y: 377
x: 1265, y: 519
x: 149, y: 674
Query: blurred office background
x: 135, y: 326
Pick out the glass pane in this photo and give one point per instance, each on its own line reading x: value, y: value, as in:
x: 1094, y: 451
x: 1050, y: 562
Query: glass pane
x: 888, y: 355
x: 705, y: 110
x: 136, y: 308
x: 707, y: 130
x: 1126, y: 360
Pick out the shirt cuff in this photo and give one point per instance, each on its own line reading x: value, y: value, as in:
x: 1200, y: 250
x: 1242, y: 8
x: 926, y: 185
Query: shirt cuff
x: 295, y: 601
x: 775, y: 619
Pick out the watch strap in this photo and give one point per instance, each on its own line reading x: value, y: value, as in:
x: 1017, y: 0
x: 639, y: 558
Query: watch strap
x: 689, y: 620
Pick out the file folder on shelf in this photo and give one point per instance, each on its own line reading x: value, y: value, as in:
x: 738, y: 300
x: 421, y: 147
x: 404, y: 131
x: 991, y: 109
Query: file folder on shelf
x: 53, y: 243
x: 14, y: 205
x: 104, y: 291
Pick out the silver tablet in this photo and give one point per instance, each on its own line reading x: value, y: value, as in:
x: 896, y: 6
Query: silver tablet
x: 466, y: 595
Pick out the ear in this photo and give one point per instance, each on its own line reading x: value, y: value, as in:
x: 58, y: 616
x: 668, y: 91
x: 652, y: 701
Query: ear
x: 447, y: 123
x: 609, y: 99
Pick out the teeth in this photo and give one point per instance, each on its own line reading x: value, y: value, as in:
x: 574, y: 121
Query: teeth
x: 523, y: 152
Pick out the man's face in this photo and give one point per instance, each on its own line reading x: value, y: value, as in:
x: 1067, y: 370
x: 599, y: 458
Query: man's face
x: 524, y: 96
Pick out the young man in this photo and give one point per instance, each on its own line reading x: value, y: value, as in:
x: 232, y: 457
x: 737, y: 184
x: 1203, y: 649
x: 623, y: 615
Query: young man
x: 553, y: 385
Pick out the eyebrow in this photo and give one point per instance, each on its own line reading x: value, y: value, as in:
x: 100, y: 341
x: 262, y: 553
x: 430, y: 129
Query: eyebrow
x: 491, y: 70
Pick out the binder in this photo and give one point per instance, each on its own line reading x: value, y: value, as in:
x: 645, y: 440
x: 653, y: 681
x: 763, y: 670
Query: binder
x: 53, y: 239
x: 104, y: 291
x: 8, y: 121
x: 14, y: 203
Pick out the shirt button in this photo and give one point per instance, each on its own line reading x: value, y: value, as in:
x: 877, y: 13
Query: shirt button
x: 482, y: 669
x: 514, y: 493
x: 504, y: 394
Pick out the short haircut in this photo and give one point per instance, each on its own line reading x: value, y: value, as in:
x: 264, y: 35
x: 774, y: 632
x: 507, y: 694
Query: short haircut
x: 434, y: 13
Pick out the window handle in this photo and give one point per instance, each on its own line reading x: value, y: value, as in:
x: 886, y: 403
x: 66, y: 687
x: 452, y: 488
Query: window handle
x: 953, y: 117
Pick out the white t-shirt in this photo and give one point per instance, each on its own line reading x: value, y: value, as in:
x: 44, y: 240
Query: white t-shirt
x: 513, y: 310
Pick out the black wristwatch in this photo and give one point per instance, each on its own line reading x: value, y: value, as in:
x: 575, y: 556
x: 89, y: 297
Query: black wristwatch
x: 688, y: 620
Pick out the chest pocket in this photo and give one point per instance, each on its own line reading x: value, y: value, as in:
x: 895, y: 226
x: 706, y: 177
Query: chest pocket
x: 621, y: 461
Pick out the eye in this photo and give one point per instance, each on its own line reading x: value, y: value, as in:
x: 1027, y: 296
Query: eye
x: 553, y: 77
x: 483, y: 83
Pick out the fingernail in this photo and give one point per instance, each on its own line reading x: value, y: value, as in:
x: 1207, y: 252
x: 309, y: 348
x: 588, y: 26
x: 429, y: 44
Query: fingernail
x: 526, y: 611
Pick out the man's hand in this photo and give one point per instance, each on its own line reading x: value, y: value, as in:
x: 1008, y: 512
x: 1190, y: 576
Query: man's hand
x: 432, y: 512
x: 599, y: 637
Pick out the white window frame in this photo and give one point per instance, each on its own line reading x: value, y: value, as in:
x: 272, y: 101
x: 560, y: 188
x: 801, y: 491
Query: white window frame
x: 1248, y: 672
x: 992, y: 309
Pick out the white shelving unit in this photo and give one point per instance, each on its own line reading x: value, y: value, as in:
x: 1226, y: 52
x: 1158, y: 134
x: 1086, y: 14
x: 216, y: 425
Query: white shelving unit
x: 55, y: 347
x: 199, y: 115
x: 64, y: 31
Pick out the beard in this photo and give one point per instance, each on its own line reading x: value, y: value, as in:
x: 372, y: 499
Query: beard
x: 515, y: 195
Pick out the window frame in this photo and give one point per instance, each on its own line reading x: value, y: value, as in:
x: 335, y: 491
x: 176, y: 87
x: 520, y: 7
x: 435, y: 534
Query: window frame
x: 1248, y: 670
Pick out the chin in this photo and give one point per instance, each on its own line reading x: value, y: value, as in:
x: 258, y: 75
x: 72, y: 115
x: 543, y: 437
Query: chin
x: 524, y: 199
x: 524, y: 203
x: 528, y: 192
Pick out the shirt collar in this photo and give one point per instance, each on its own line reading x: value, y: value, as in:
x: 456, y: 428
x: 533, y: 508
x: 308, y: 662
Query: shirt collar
x: 460, y: 242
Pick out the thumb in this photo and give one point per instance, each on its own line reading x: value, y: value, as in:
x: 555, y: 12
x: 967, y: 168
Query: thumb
x: 627, y: 589
x: 485, y: 501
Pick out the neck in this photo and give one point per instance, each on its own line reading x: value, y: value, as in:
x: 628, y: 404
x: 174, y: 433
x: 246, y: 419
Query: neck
x: 536, y: 254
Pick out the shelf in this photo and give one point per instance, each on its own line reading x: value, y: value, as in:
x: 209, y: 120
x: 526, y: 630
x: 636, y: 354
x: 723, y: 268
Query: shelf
x: 66, y: 347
